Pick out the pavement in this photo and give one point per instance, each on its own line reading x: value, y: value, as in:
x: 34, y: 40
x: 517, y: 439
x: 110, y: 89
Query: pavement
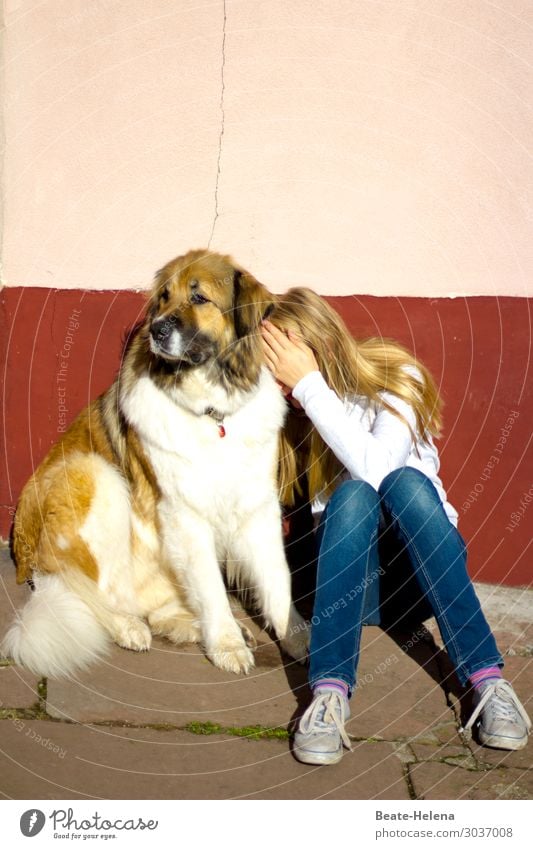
x: 166, y: 724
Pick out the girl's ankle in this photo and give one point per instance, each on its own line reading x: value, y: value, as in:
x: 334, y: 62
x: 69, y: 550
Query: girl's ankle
x: 333, y: 685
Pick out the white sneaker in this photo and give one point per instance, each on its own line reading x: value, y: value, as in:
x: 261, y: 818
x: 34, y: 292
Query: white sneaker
x: 321, y: 735
x: 503, y: 721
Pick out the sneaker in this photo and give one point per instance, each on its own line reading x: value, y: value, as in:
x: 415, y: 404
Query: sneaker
x: 321, y: 735
x: 503, y: 721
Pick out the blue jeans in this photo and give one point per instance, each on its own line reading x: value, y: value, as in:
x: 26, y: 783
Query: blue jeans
x: 391, y: 557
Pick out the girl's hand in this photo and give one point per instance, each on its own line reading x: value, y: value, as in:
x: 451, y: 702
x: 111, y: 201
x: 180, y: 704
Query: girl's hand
x: 287, y: 356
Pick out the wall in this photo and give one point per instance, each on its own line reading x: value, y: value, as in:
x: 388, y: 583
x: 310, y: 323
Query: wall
x: 357, y: 145
x: 64, y: 347
x: 376, y: 151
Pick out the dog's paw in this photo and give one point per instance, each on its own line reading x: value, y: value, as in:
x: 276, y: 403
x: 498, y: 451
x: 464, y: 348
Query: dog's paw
x: 232, y: 656
x: 132, y: 633
x: 239, y: 661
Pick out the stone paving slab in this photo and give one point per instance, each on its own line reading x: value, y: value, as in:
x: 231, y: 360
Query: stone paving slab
x: 398, y: 696
x: 508, y: 611
x: 517, y: 669
x: 18, y: 688
x: 441, y: 781
x: 512, y: 643
x: 450, y: 752
x: 512, y: 637
x: 177, y: 685
x: 113, y: 763
x: 523, y: 759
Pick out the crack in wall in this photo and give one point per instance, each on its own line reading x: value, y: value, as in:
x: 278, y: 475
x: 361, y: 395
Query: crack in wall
x: 222, y: 122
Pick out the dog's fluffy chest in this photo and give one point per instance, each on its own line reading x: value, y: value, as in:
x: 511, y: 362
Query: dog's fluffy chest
x: 191, y: 461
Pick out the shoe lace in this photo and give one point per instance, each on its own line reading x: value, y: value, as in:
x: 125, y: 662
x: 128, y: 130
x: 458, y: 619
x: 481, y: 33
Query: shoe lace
x: 504, y: 702
x: 325, y: 710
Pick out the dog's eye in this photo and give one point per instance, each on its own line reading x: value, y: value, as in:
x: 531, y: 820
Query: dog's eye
x: 165, y: 295
x: 197, y: 298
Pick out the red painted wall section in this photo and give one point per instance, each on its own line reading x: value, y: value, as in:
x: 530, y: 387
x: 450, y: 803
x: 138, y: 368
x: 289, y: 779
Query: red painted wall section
x: 60, y: 349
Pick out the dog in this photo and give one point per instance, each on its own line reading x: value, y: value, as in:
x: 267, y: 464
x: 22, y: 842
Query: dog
x: 164, y: 481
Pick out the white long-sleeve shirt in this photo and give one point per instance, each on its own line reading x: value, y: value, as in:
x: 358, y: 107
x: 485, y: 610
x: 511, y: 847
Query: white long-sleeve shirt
x: 366, y: 438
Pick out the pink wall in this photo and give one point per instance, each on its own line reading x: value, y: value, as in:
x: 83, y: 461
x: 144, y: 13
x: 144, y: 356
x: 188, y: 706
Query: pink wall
x: 357, y: 146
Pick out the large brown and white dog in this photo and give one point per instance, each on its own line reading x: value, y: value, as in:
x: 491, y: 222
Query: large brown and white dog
x: 166, y: 477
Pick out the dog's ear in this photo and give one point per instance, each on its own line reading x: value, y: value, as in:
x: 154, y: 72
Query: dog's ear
x: 159, y: 290
x: 251, y: 302
x: 243, y: 358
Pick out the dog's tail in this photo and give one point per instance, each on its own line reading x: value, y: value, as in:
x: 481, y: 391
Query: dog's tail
x: 57, y: 633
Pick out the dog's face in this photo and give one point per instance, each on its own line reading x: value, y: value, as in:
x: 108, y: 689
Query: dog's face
x: 205, y: 308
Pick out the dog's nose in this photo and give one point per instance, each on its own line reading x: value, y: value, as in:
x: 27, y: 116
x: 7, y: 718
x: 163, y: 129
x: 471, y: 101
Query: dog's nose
x: 161, y: 328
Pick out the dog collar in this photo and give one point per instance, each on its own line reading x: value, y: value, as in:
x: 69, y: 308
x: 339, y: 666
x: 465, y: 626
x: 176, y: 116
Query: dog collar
x: 219, y: 419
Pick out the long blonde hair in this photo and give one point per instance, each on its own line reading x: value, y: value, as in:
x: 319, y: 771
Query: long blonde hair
x: 351, y: 368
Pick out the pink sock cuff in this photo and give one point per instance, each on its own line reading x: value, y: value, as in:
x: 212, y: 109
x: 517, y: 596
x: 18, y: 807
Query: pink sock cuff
x: 483, y: 674
x: 331, y: 684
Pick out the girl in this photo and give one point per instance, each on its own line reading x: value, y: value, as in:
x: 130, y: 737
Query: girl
x: 361, y: 425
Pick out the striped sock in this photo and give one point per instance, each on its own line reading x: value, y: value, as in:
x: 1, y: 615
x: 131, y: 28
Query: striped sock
x: 483, y: 675
x: 331, y: 685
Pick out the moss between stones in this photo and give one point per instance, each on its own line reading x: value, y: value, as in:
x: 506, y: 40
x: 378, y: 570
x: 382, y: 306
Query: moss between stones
x: 33, y: 712
x: 250, y: 732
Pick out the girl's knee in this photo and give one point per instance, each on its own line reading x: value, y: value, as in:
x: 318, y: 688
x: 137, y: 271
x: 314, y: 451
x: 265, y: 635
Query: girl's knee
x: 354, y: 501
x: 407, y: 488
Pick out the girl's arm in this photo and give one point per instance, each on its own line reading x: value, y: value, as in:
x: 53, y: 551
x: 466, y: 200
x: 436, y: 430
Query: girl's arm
x: 368, y: 455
